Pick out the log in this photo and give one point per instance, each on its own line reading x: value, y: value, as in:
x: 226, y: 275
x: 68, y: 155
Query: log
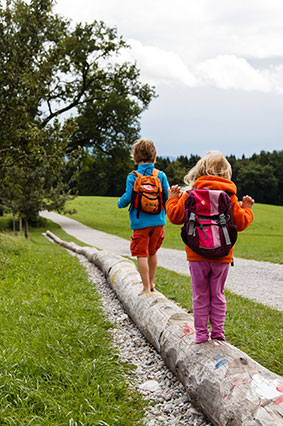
x: 225, y: 383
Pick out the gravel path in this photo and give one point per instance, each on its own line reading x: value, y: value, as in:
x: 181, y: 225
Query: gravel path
x: 258, y: 281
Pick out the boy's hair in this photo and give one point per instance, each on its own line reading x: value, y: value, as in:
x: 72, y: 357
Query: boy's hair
x: 143, y: 150
x: 212, y: 164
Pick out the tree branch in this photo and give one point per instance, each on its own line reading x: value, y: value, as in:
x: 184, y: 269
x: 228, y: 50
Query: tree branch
x: 75, y: 102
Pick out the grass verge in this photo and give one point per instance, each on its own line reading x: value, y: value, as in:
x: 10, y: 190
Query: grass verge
x: 263, y: 240
x: 58, y: 366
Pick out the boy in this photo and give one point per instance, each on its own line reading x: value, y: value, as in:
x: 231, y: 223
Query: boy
x: 148, y: 228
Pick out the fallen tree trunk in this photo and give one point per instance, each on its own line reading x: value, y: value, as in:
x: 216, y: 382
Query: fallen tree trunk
x: 225, y: 383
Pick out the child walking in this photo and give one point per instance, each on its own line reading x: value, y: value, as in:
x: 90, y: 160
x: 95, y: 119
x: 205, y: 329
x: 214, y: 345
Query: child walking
x: 148, y: 229
x: 208, y: 276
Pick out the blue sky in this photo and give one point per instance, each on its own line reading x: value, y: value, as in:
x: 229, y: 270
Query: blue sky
x: 217, y: 67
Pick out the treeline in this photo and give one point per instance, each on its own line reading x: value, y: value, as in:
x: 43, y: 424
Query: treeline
x: 260, y: 176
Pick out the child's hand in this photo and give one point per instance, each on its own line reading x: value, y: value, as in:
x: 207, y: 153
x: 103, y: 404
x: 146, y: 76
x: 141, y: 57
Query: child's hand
x: 247, y: 202
x: 174, y: 191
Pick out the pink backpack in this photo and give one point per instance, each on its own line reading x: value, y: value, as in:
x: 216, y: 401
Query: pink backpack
x: 208, y: 228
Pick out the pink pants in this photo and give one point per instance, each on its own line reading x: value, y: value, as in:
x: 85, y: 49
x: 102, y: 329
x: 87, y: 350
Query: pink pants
x: 208, y: 280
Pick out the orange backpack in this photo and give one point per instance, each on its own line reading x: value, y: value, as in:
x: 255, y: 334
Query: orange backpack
x: 147, y: 193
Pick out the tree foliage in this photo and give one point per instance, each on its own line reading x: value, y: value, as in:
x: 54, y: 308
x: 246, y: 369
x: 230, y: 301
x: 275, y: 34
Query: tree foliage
x: 260, y: 176
x: 49, y: 69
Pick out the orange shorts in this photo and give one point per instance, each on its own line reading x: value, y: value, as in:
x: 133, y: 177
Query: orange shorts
x: 147, y: 241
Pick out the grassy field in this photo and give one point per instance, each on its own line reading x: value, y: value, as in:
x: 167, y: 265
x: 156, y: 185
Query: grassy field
x: 58, y: 366
x: 263, y: 240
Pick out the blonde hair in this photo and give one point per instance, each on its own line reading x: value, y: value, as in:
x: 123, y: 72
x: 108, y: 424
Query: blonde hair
x: 212, y: 164
x: 143, y: 150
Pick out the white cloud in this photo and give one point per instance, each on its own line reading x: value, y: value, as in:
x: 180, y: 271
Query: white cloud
x: 194, y: 29
x: 160, y: 66
x: 195, y: 43
x: 230, y: 72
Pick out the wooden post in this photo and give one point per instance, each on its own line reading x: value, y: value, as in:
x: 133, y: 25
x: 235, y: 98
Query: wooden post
x: 226, y: 384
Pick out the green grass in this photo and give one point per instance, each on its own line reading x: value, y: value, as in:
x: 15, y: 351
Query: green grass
x: 263, y: 240
x: 58, y: 366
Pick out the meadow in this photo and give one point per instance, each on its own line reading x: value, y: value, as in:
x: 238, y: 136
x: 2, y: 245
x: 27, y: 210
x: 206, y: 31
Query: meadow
x: 58, y: 365
x: 263, y: 240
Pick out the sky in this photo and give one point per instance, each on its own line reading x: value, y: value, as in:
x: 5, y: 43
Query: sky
x: 217, y: 68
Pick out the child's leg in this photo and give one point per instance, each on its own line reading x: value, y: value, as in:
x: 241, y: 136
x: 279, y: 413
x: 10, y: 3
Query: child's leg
x: 139, y: 248
x: 144, y: 273
x: 200, y: 272
x: 156, y: 236
x: 152, y: 265
x: 217, y: 299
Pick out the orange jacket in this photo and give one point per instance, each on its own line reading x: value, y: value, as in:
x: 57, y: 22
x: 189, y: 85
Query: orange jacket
x: 242, y: 217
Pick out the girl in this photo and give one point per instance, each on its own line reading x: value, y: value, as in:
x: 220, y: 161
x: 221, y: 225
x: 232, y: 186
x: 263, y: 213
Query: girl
x: 208, y: 276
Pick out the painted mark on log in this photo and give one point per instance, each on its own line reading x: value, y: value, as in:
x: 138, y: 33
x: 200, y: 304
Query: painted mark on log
x: 276, y: 401
x: 222, y: 357
x: 217, y: 342
x: 114, y: 275
x: 220, y: 363
x: 268, y: 390
x: 235, y: 383
x: 167, y: 307
x: 188, y: 330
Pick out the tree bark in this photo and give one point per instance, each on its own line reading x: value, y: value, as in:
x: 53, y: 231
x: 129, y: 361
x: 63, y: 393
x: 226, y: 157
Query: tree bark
x: 26, y: 228
x: 226, y: 384
x: 20, y: 224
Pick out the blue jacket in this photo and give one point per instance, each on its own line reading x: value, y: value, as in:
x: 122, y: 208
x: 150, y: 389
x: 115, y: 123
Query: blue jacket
x: 145, y: 220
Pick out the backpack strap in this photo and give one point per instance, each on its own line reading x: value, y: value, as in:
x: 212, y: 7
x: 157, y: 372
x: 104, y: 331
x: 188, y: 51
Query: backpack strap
x: 192, y: 220
x: 135, y: 173
x: 155, y: 172
x: 222, y: 223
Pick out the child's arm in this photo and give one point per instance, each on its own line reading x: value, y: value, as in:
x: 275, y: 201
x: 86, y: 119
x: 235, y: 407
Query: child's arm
x: 126, y: 198
x: 247, y: 202
x: 174, y: 191
x: 175, y: 206
x: 165, y: 185
x: 242, y: 212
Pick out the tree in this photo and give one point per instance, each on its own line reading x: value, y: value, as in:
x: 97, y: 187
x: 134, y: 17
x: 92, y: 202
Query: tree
x: 49, y: 68
x: 258, y: 181
x: 38, y: 183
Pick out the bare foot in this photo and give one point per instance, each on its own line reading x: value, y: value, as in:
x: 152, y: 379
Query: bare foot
x: 144, y: 291
x: 152, y: 287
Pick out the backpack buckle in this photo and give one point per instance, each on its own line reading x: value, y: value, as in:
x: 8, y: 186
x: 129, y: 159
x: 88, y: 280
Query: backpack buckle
x: 192, y: 220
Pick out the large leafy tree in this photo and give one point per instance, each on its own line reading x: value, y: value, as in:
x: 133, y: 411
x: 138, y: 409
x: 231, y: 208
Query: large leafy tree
x: 48, y: 70
x: 37, y: 184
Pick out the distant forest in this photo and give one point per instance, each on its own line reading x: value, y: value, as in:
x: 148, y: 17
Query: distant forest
x: 260, y: 176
